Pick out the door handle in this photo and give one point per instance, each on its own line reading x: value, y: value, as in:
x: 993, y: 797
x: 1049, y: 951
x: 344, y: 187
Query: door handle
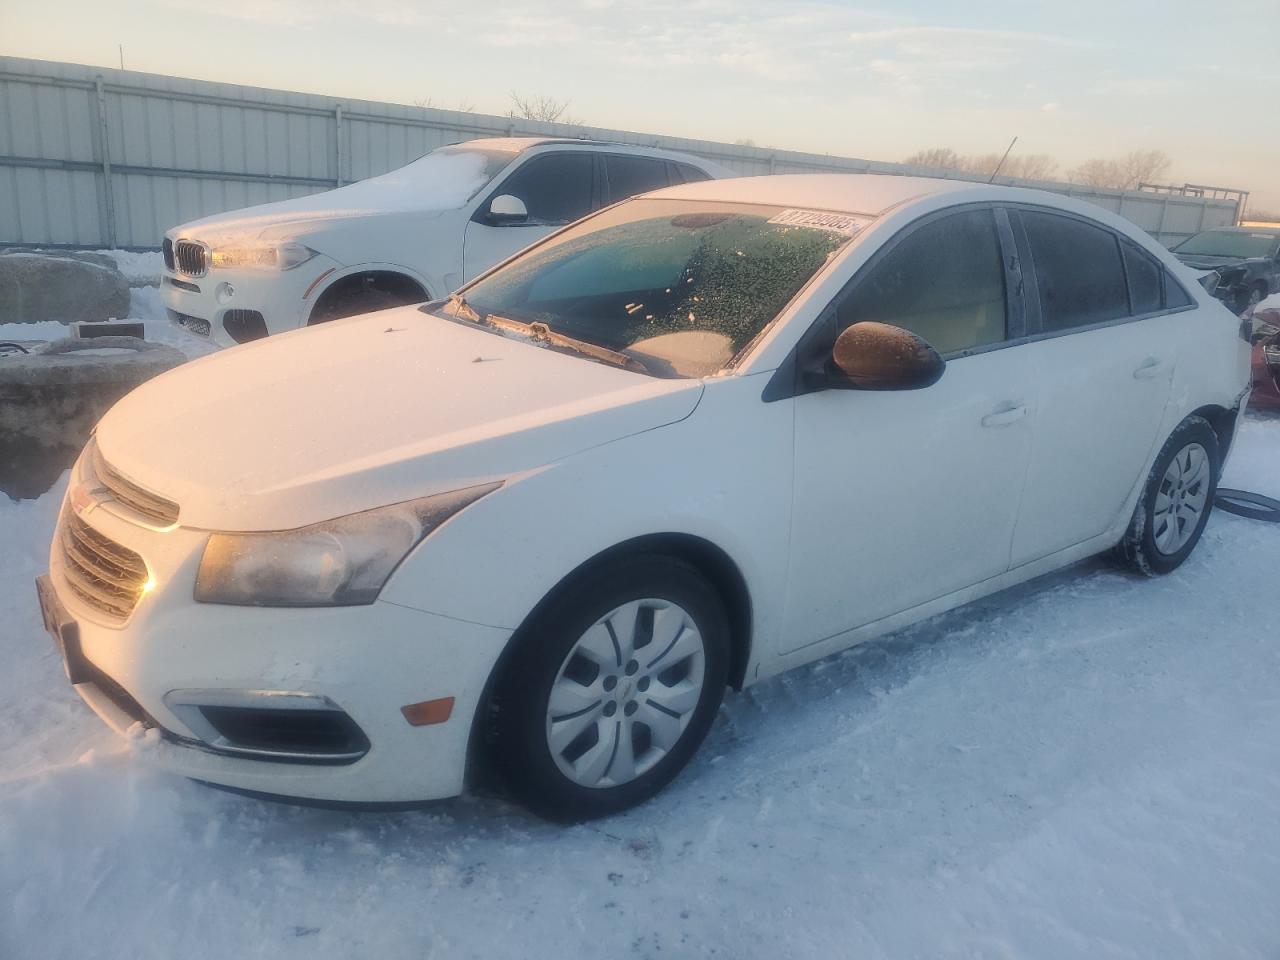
x: 1148, y: 368
x: 1005, y: 415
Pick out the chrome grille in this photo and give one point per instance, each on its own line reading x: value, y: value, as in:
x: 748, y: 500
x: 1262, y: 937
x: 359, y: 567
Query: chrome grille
x: 151, y: 506
x: 108, y: 577
x: 166, y: 249
x: 192, y: 258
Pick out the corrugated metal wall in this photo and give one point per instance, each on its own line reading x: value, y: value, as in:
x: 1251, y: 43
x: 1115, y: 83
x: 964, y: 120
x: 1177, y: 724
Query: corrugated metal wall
x: 95, y: 157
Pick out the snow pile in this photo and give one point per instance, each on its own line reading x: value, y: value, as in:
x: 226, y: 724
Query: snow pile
x: 1083, y: 767
x: 138, y: 267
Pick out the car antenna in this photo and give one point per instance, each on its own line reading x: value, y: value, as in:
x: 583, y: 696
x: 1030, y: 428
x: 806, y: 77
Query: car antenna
x: 1002, y: 160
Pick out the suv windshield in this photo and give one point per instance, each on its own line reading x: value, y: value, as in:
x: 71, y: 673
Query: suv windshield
x: 680, y: 285
x: 1228, y: 243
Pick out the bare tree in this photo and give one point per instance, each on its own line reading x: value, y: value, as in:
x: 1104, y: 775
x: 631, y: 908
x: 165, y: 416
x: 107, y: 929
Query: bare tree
x: 545, y: 109
x: 942, y: 157
x: 1035, y: 166
x: 464, y: 105
x: 1124, y: 173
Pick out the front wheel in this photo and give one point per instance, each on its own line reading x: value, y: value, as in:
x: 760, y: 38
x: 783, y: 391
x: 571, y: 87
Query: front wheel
x: 612, y: 689
x: 1175, y: 503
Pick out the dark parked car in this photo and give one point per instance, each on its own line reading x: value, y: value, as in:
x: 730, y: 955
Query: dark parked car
x: 1247, y: 260
x: 1266, y: 360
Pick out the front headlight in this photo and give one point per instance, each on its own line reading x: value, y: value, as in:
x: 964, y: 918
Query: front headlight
x: 335, y: 563
x: 281, y: 256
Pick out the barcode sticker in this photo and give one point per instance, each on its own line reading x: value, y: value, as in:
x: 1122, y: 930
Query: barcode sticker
x: 845, y: 223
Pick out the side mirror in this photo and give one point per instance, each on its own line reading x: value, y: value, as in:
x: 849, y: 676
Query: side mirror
x: 505, y: 210
x: 877, y: 356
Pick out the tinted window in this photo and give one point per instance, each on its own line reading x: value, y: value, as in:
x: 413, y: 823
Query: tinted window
x: 943, y: 282
x: 691, y: 173
x: 631, y: 175
x: 1144, y: 280
x: 1078, y: 270
x: 1174, y: 295
x: 680, y: 285
x: 555, y: 188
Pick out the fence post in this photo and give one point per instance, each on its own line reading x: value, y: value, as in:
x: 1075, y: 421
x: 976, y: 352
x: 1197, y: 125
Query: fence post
x: 108, y: 191
x: 337, y: 141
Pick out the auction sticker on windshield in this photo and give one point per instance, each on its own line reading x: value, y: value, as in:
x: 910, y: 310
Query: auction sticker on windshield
x: 822, y: 220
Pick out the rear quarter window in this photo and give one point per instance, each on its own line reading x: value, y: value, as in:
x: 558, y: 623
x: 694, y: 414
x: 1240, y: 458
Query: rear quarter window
x: 1145, y: 292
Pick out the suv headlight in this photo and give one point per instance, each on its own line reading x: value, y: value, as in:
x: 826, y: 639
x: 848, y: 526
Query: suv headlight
x: 280, y: 256
x: 336, y: 563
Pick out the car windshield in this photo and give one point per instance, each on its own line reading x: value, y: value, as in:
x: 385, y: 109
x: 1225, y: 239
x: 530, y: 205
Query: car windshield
x: 482, y: 164
x: 682, y: 286
x: 1228, y: 243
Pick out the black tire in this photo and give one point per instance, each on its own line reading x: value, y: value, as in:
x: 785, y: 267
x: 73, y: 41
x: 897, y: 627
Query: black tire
x: 1242, y: 503
x: 1138, y: 550
x: 523, y: 755
x: 355, y: 300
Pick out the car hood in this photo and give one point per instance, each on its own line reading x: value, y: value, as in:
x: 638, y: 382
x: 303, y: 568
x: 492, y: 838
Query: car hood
x: 367, y: 411
x: 427, y: 187
x: 1204, y: 262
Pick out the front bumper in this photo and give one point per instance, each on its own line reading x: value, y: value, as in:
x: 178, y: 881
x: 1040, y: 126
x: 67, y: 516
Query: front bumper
x: 366, y: 661
x: 283, y: 298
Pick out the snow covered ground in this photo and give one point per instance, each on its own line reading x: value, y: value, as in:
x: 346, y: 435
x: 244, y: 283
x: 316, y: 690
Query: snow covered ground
x: 144, y: 304
x: 1086, y: 767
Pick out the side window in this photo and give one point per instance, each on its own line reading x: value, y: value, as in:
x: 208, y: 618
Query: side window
x: 1174, y: 294
x: 690, y: 173
x: 555, y: 188
x: 1078, y: 270
x: 1145, y: 295
x: 629, y: 176
x: 943, y: 282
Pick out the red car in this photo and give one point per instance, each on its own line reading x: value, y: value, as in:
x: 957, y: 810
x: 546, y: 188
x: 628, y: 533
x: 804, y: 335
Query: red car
x: 1266, y: 360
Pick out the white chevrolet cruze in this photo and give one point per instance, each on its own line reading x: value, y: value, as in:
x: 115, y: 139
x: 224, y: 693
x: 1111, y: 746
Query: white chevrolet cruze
x: 691, y: 441
x: 404, y: 237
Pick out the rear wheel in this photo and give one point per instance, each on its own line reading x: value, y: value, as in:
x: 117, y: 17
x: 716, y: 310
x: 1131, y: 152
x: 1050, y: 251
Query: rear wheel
x: 612, y: 688
x: 1175, y: 503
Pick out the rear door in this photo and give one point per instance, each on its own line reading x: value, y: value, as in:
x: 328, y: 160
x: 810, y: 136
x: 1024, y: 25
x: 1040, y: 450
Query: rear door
x: 1104, y: 347
x: 627, y: 175
x: 556, y: 188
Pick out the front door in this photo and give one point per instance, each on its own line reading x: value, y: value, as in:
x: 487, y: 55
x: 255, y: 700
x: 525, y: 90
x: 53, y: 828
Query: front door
x: 901, y: 497
x: 555, y: 188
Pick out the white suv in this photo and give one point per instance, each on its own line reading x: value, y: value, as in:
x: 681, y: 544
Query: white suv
x: 691, y: 441
x: 407, y: 236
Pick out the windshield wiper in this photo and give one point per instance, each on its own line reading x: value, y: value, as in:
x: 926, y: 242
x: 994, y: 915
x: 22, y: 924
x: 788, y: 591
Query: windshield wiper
x: 541, y: 332
x: 463, y: 309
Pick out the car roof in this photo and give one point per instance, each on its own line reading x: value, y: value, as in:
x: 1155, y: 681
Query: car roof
x: 520, y: 144
x: 865, y: 193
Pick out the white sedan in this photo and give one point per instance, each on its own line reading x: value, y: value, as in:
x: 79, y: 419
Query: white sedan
x: 696, y: 439
x: 404, y: 237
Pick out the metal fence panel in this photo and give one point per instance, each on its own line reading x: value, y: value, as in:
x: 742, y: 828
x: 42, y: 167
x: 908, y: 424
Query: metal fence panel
x: 100, y: 157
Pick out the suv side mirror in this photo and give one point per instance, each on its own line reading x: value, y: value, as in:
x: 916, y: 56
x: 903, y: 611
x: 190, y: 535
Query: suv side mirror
x: 505, y: 210
x: 878, y: 356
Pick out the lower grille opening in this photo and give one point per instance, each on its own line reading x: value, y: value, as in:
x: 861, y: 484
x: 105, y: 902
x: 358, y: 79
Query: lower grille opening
x: 194, y: 324
x: 298, y: 735
x: 244, y: 325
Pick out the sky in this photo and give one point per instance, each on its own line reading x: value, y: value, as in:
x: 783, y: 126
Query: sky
x: 1075, y: 80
